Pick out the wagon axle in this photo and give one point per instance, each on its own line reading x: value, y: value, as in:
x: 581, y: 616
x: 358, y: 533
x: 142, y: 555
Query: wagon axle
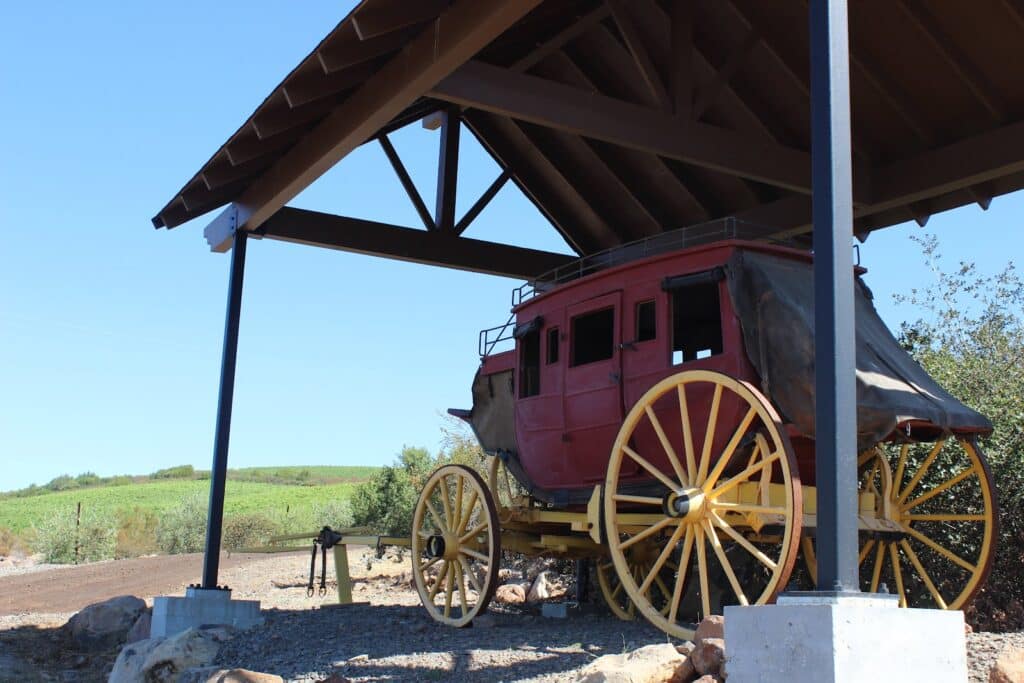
x: 688, y: 504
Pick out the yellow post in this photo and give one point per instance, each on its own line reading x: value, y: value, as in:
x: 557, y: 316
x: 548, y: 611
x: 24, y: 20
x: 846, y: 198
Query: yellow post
x: 341, y: 574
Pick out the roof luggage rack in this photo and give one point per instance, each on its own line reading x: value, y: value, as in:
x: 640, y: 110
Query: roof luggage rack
x: 690, y: 236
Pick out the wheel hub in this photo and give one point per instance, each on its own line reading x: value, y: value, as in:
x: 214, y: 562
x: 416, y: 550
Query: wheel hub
x: 435, y: 546
x: 685, y: 505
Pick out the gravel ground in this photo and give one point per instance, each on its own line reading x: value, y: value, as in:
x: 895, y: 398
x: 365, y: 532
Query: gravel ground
x: 385, y: 636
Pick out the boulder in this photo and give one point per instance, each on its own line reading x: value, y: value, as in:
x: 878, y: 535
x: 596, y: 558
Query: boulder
x: 541, y: 588
x: 104, y: 624
x: 707, y: 678
x: 685, y: 648
x: 650, y: 664
x: 215, y: 674
x: 140, y: 629
x: 510, y: 594
x: 708, y: 656
x: 163, y: 660
x: 713, y: 626
x: 1009, y: 668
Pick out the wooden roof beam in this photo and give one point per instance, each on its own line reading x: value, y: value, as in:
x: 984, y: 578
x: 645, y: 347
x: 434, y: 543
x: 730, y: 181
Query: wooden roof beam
x: 638, y: 49
x: 708, y: 94
x: 461, y: 32
x: 346, y: 50
x: 575, y: 29
x: 405, y: 244
x: 553, y: 105
x: 380, y: 18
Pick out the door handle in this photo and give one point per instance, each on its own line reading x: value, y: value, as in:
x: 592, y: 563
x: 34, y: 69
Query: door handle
x: 630, y: 345
x: 615, y: 377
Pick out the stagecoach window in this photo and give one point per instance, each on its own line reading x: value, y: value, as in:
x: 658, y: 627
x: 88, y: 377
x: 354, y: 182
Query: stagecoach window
x: 593, y: 337
x: 646, y: 328
x: 529, y: 363
x: 696, y: 322
x: 552, y: 345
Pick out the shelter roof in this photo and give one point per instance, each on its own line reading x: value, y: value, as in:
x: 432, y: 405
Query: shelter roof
x: 624, y: 119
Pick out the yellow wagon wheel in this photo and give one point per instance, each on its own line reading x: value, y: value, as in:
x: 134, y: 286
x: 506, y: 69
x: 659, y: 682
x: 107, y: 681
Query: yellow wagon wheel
x: 716, y: 489
x: 640, y: 563
x: 936, y: 507
x: 456, y: 545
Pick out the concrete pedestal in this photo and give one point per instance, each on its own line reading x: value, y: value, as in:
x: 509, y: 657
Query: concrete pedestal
x: 201, y: 607
x: 844, y: 638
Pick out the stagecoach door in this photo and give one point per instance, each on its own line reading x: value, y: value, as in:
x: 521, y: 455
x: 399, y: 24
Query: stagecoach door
x: 593, y: 406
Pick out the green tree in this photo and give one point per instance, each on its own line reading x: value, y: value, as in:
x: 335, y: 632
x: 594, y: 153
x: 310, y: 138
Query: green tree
x: 971, y: 341
x: 386, y: 502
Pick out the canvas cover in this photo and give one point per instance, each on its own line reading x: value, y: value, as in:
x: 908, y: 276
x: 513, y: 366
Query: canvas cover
x: 774, y: 299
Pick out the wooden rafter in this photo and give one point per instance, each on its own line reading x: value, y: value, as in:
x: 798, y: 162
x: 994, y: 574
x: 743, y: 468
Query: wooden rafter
x: 681, y: 17
x: 641, y: 57
x: 575, y: 29
x: 407, y: 184
x: 391, y: 241
x: 709, y: 92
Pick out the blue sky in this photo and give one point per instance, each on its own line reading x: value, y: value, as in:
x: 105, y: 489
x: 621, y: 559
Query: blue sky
x: 110, y: 331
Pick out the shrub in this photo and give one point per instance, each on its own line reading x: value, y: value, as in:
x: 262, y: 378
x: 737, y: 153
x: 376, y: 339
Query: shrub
x: 58, y: 535
x: 179, y: 472
x: 87, y: 479
x: 136, y: 533
x: 8, y: 541
x: 246, y: 531
x: 386, y: 502
x: 62, y: 483
x: 182, y: 529
x: 336, y: 514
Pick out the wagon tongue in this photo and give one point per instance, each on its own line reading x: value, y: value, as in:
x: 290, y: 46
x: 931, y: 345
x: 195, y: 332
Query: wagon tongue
x: 461, y: 413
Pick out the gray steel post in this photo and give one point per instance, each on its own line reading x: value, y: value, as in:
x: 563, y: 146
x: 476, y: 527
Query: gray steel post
x: 835, y: 353
x: 219, y: 471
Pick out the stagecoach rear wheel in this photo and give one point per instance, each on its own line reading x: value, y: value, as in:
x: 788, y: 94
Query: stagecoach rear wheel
x: 718, y: 494
x: 456, y: 545
x: 937, y: 519
x: 640, y: 562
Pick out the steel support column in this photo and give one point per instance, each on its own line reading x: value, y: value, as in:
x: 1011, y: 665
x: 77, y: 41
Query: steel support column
x: 835, y: 352
x: 447, y: 170
x: 219, y: 471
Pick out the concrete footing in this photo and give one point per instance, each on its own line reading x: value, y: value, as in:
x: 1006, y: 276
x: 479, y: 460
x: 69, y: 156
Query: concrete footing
x: 202, y: 607
x: 844, y: 638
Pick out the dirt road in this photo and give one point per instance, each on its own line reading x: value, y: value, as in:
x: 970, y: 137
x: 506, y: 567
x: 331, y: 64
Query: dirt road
x: 70, y: 589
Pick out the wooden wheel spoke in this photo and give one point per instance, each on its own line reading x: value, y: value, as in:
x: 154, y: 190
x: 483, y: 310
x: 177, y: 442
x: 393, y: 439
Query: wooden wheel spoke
x: 651, y: 469
x: 475, y: 554
x: 894, y: 554
x: 465, y: 516
x: 429, y: 563
x: 684, y: 416
x: 948, y: 554
x: 876, y: 575
x: 744, y: 543
x: 473, y: 532
x: 684, y: 563
x: 702, y: 570
x: 677, y: 535
x: 462, y: 587
x: 472, y: 577
x: 618, y: 589
x: 921, y: 471
x: 745, y: 475
x: 653, y: 529
x: 448, y: 594
x: 865, y: 456
x: 446, y: 502
x: 730, y: 448
x: 912, y: 556
x: 945, y: 518
x: 677, y: 467
x: 865, y: 551
x: 423, y: 534
x: 459, y: 513
x: 944, y: 486
x: 716, y: 545
x: 901, y: 465
x: 441, y: 526
x: 441, y: 577
x: 709, y: 435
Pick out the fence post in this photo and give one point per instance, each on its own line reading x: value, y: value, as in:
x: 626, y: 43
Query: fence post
x: 78, y: 523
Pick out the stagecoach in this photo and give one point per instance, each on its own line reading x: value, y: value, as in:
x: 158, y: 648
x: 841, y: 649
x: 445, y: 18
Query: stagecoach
x: 656, y: 414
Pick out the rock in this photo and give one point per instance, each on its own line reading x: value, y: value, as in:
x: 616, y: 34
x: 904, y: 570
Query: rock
x: 163, y: 660
x: 335, y: 678
x: 650, y: 664
x: 104, y: 624
x: 541, y: 588
x: 140, y: 629
x: 685, y: 648
x: 510, y: 594
x: 1009, y: 668
x: 708, y: 655
x: 707, y: 678
x: 506, y: 575
x: 713, y: 626
x: 215, y: 674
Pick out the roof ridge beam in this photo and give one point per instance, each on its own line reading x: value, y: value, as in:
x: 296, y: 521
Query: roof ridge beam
x: 553, y: 105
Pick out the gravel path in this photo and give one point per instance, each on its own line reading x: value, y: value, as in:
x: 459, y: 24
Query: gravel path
x: 386, y: 636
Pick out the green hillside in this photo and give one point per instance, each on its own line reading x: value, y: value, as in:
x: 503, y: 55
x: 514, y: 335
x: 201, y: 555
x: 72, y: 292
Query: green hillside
x: 249, y: 490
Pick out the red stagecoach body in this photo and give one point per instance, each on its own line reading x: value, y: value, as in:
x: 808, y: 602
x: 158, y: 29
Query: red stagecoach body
x: 587, y: 349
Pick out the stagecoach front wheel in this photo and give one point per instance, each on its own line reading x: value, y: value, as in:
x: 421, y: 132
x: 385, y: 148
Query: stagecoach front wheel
x: 640, y: 561
x: 934, y: 527
x: 456, y: 545
x: 702, y: 472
